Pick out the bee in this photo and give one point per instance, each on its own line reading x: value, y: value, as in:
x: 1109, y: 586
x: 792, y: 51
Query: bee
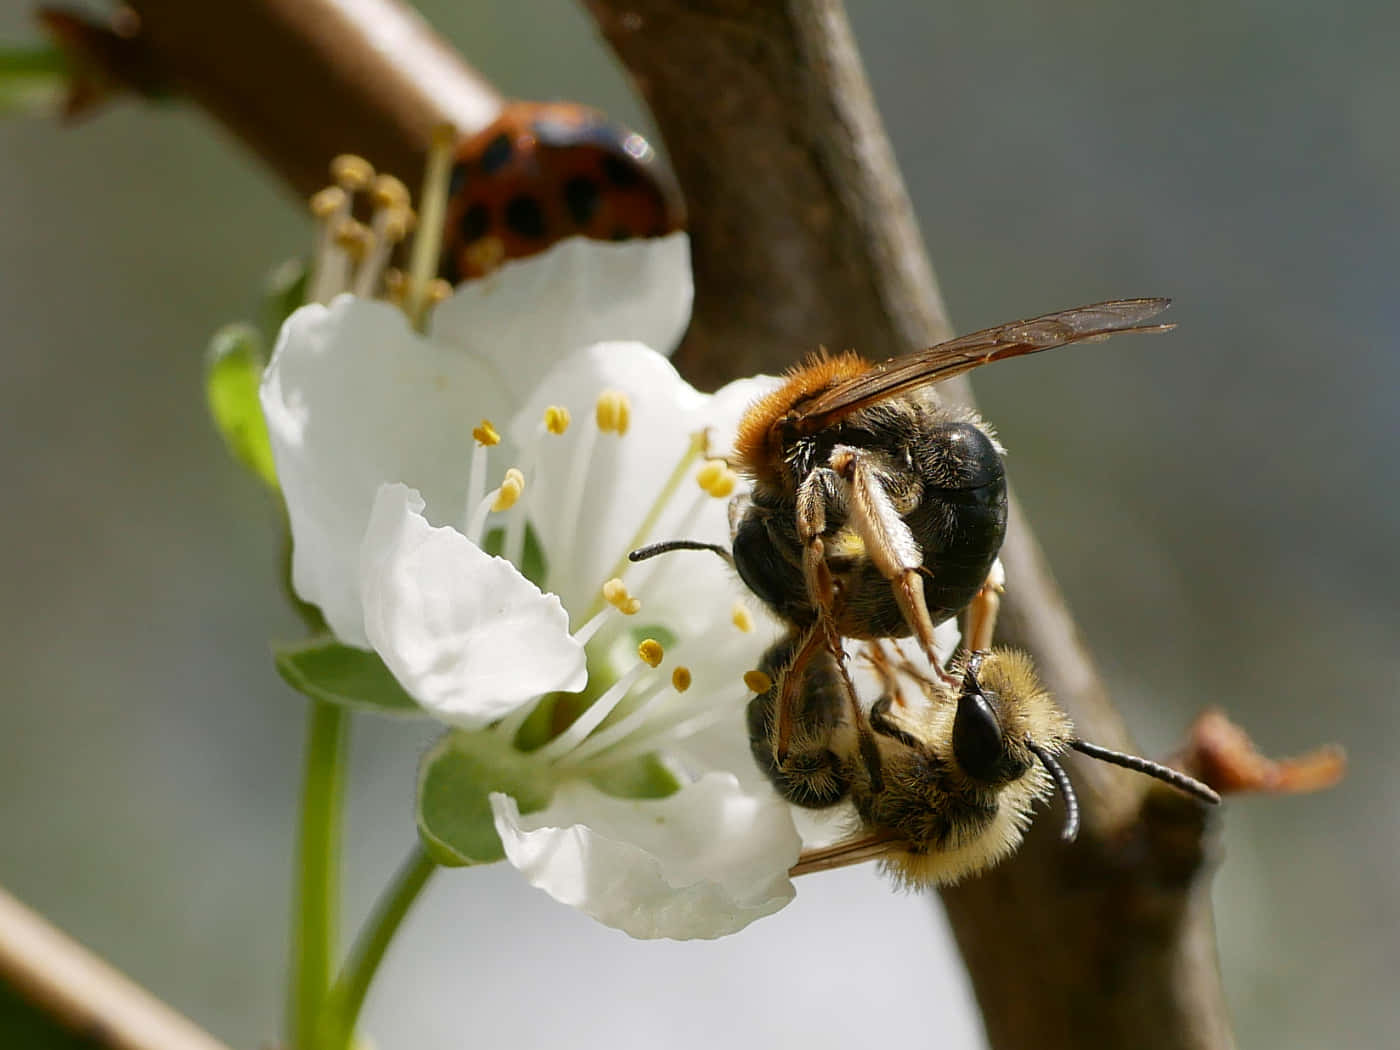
x: 877, y: 509
x: 944, y: 782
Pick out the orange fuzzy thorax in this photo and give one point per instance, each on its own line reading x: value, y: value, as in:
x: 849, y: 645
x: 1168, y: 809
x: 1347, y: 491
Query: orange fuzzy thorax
x: 758, y: 444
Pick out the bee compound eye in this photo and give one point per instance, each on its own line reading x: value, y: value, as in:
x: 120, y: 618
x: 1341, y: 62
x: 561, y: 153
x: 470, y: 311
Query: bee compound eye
x: 978, y: 742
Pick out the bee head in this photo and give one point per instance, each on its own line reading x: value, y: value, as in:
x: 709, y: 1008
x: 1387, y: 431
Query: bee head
x: 981, y: 744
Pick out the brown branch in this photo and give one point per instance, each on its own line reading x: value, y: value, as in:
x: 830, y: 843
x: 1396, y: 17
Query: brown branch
x: 83, y: 993
x: 303, y: 80
x: 803, y: 235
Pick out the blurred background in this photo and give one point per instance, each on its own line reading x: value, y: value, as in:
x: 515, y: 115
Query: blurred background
x: 1221, y: 506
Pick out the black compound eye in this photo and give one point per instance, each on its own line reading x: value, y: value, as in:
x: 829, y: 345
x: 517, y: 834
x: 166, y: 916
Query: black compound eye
x: 978, y: 744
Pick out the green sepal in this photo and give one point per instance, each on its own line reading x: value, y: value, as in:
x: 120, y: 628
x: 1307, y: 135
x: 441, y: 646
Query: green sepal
x: 233, y: 370
x: 643, y: 777
x: 455, y: 780
x: 32, y: 79
x: 283, y: 293
x: 324, y: 669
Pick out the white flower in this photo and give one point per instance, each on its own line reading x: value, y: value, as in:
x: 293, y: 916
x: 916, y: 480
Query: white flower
x: 392, y: 504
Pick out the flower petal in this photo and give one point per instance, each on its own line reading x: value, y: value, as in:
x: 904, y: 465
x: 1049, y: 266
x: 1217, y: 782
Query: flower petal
x: 355, y: 398
x: 703, y: 863
x: 465, y: 633
x: 531, y: 312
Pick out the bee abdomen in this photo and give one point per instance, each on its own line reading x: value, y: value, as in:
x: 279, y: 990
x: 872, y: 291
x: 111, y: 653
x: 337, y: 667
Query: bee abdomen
x: 813, y: 774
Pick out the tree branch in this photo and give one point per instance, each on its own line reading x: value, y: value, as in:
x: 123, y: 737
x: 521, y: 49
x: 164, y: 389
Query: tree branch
x: 802, y: 234
x: 86, y: 996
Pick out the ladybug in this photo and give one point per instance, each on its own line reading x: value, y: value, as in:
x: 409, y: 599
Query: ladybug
x: 543, y: 171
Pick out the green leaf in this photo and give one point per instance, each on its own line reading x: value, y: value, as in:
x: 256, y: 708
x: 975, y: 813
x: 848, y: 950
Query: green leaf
x: 32, y: 79
x: 454, y: 781
x: 324, y: 669
x: 232, y: 371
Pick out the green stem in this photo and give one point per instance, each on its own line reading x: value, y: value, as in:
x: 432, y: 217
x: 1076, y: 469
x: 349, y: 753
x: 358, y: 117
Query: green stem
x: 397, y: 898
x: 316, y: 909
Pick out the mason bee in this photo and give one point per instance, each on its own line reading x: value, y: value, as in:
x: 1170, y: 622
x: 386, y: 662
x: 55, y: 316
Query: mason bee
x: 877, y: 509
x: 943, y: 782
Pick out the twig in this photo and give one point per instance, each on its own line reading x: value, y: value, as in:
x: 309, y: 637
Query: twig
x: 803, y: 235
x: 86, y: 996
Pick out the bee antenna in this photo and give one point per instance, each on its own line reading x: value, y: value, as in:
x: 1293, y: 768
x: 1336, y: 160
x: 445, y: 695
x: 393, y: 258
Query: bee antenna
x: 1167, y: 775
x: 653, y: 549
x: 1062, y: 781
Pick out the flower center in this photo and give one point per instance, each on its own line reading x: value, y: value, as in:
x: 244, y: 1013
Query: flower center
x: 637, y: 667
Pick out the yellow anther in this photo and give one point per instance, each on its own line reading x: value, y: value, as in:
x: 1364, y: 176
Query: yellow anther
x: 631, y: 607
x: 510, y: 490
x: 396, y: 224
x: 353, y: 237
x: 351, y: 172
x: 389, y: 192
x: 327, y: 202
x: 485, y: 434
x: 615, y: 591
x: 395, y: 285
x: 556, y: 419
x: 651, y: 652
x: 717, y: 479
x: 680, y: 679
x: 743, y: 619
x: 614, y: 412
x: 757, y: 681
x: 438, y: 290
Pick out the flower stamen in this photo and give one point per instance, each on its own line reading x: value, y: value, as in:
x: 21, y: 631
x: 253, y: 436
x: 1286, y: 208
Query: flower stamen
x: 427, y: 246
x: 650, y: 654
x: 717, y: 479
x: 615, y: 594
x: 680, y: 679
x: 613, y: 412
x: 556, y: 419
x: 741, y: 617
x: 757, y: 681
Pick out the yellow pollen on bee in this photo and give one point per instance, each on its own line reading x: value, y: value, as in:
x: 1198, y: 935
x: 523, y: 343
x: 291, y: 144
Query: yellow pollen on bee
x: 614, y: 412
x: 743, y: 619
x: 556, y: 419
x: 327, y: 202
x: 757, y: 681
x: 485, y: 434
x: 651, y: 652
x: 510, y: 490
x: 351, y: 172
x: 717, y: 479
x: 680, y: 679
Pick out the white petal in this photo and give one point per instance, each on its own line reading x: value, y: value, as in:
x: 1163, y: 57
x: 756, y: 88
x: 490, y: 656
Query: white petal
x: 622, y: 477
x: 531, y: 312
x: 703, y: 863
x: 465, y: 633
x: 355, y: 398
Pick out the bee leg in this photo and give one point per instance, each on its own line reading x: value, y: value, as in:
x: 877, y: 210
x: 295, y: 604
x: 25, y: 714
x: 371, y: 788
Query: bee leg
x: 891, y: 547
x: 814, y: 774
x: 790, y: 691
x: 983, y: 609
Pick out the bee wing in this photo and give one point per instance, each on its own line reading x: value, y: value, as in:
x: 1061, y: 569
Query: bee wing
x: 901, y: 374
x: 843, y: 854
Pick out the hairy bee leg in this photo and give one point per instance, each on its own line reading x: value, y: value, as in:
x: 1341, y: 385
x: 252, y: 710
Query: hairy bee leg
x: 891, y: 547
x: 785, y: 717
x: 983, y: 609
x: 844, y: 854
x: 865, y: 736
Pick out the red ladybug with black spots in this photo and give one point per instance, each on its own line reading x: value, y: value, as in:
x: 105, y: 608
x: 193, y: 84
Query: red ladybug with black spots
x: 543, y: 171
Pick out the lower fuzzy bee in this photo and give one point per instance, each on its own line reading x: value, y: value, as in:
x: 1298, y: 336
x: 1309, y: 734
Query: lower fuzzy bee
x: 944, y: 782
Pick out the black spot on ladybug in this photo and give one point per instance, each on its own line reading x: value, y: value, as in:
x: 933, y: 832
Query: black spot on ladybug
x: 496, y: 154
x: 619, y: 172
x: 582, y: 198
x: 475, y: 222
x: 524, y: 216
x: 458, y: 180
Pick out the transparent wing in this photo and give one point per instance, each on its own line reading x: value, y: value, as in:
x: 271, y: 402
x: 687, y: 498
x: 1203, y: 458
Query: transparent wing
x: 901, y: 374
